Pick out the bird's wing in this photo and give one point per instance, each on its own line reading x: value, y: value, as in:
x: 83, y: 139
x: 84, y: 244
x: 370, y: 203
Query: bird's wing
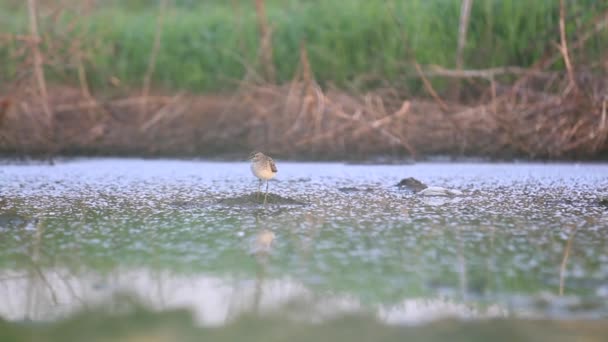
x: 273, y: 167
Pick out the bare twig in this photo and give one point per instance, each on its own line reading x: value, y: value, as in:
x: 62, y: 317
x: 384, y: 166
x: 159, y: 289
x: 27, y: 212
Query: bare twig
x: 429, y: 87
x: 602, y: 130
x: 265, y: 40
x: 603, y: 120
x: 38, y: 68
x: 4, y: 105
x: 82, y: 79
x: 376, y: 125
x: 162, y: 7
x: 363, y: 127
x: 125, y: 102
x: 564, y: 44
x: 465, y: 12
x: 489, y: 74
x: 163, y: 112
x: 405, y: 108
x: 564, y: 263
x: 600, y: 23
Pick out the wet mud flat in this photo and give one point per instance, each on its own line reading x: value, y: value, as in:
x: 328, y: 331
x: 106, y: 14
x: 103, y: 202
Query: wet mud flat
x: 517, y: 240
x: 255, y: 199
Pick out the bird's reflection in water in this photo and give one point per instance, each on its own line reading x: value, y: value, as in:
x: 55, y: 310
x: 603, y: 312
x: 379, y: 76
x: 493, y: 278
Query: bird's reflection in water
x: 262, y: 247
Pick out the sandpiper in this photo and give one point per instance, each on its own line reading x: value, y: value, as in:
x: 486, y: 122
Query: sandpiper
x: 263, y: 167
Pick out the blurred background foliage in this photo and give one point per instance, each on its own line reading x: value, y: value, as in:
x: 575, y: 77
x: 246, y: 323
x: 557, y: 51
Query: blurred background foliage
x: 210, y: 45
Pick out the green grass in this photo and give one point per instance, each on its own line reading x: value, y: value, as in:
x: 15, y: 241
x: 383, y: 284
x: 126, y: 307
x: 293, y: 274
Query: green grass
x: 206, y: 47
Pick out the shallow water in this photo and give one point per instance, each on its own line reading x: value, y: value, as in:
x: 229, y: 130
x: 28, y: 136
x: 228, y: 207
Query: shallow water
x: 524, y: 240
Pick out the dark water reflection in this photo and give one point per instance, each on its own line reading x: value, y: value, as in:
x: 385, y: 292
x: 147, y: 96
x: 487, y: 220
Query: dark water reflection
x: 524, y: 240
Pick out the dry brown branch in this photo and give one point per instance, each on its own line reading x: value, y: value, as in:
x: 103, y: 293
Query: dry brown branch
x: 307, y: 75
x: 38, y: 61
x: 603, y: 120
x: 4, y: 105
x: 384, y: 121
x: 162, y: 113
x: 329, y: 134
x: 493, y: 95
x: 265, y: 40
x: 162, y: 8
x: 86, y: 92
x: 489, y: 74
x: 84, y: 84
x: 311, y: 92
x: 125, y: 102
x: 465, y: 12
x: 564, y: 263
x: 599, y: 23
x: 388, y: 135
x: 429, y: 87
x: 362, y: 127
x: 82, y: 79
x: 563, y: 47
x: 602, y: 131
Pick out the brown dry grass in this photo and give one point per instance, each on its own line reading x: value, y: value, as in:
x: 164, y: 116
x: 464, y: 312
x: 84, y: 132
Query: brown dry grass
x: 301, y: 119
x: 535, y: 113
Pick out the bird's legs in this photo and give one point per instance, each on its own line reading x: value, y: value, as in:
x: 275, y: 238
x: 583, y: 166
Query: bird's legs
x: 257, y: 194
x: 266, y: 195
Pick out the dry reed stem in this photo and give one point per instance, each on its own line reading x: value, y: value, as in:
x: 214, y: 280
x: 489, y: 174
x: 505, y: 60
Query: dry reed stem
x: 489, y: 74
x: 564, y: 263
x: 463, y: 25
x: 4, y: 105
x: 125, y: 102
x: 160, y: 19
x: 265, y: 40
x: 84, y: 86
x: 38, y: 62
x: 600, y: 23
x: 429, y: 87
x: 563, y: 47
x: 465, y: 12
x: 602, y: 131
x: 383, y: 121
x: 164, y: 112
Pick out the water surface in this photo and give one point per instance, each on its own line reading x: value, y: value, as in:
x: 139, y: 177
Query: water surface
x: 525, y: 240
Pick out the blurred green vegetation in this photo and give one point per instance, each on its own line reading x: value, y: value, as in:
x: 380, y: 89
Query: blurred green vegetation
x: 209, y: 46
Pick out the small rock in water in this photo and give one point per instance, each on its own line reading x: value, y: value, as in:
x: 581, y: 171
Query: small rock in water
x: 603, y: 201
x: 412, y: 184
x: 422, y: 189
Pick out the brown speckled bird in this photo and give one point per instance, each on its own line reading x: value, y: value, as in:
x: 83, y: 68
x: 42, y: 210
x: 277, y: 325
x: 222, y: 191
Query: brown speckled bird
x: 264, y: 168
